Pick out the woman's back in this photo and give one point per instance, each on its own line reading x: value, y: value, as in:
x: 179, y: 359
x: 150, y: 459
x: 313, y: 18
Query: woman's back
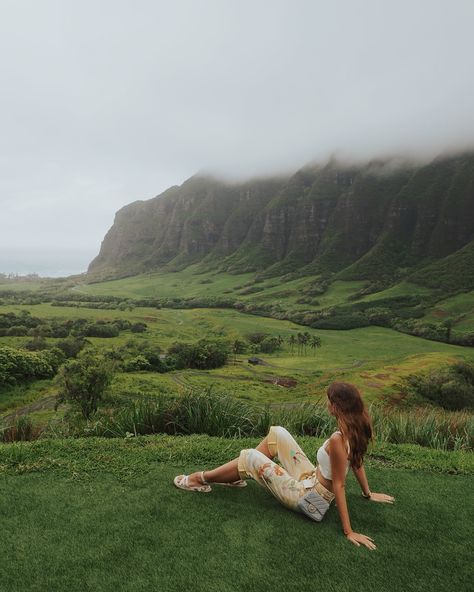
x: 324, y: 462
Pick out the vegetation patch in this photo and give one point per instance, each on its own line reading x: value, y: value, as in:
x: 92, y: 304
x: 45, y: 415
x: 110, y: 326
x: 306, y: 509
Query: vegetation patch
x: 452, y: 386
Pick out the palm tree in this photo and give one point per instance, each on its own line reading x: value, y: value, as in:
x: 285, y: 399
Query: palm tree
x: 315, y: 342
x: 307, y: 338
x: 291, y: 342
x: 302, y: 341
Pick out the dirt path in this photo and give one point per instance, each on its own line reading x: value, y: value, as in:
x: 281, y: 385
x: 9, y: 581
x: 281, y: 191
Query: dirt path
x: 44, y: 404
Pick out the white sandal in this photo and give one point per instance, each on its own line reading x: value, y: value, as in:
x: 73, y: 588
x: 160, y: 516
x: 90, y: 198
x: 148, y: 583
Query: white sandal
x: 181, y: 482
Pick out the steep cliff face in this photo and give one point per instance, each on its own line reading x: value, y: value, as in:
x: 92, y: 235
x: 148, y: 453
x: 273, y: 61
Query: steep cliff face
x: 359, y: 221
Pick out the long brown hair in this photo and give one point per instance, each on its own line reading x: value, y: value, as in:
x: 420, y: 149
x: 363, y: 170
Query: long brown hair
x: 352, y: 418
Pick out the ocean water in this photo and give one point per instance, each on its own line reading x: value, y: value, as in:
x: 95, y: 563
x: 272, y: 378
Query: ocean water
x: 58, y: 262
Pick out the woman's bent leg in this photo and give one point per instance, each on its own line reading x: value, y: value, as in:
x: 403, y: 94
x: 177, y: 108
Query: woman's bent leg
x: 254, y: 464
x: 227, y: 473
x: 281, y: 443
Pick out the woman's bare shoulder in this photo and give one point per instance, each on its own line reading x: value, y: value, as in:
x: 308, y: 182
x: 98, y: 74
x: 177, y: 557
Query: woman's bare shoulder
x: 336, y: 440
x: 339, y: 441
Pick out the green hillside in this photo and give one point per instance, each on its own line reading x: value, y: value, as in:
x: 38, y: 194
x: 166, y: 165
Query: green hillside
x: 378, y: 221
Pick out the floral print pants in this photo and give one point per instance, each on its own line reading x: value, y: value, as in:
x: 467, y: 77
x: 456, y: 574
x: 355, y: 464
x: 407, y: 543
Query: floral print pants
x: 288, y: 482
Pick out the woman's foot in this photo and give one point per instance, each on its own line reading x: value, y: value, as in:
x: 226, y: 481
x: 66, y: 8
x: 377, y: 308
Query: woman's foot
x: 190, y: 483
x: 198, y: 480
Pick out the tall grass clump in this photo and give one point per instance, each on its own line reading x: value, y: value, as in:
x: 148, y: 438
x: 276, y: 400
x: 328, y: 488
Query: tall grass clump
x: 305, y: 419
x: 20, y: 429
x: 217, y: 414
x: 191, y: 413
x: 432, y: 428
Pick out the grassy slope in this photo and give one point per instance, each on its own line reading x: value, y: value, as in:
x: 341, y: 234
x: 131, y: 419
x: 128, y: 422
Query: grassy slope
x: 459, y: 308
x: 103, y: 516
x: 190, y: 283
x: 275, y: 291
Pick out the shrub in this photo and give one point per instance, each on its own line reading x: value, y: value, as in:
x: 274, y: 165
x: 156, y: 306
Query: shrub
x: 17, y: 331
x: 203, y: 355
x: 36, y: 344
x: 239, y: 346
x: 102, y: 330
x: 71, y: 346
x: 136, y: 364
x: 190, y: 413
x: 84, y: 381
x: 56, y: 357
x: 19, y: 365
x: 256, y: 338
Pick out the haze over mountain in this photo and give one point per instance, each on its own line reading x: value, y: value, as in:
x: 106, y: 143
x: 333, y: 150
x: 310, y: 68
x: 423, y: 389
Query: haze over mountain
x: 105, y: 103
x: 384, y: 219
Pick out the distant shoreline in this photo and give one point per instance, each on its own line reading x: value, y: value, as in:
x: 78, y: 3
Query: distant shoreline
x: 39, y: 275
x: 46, y: 263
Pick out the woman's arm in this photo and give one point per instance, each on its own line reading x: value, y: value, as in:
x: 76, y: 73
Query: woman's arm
x: 362, y: 479
x: 364, y: 485
x: 338, y: 458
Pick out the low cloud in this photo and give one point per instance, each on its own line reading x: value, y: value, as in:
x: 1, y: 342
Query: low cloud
x: 105, y: 103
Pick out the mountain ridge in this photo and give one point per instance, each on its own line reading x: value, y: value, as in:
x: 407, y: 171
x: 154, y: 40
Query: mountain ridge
x: 372, y: 221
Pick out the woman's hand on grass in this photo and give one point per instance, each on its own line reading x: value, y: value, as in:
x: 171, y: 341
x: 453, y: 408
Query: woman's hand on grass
x: 382, y: 497
x: 360, y: 539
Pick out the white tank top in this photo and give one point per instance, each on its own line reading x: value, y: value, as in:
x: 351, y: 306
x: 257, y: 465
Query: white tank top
x: 324, y: 461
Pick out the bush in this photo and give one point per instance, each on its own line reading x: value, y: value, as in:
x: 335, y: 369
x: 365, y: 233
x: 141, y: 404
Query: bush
x: 203, y: 355
x: 17, y: 331
x: 36, y: 344
x: 102, y: 330
x: 71, y: 346
x: 342, y: 321
x: 256, y: 338
x: 84, y: 381
x: 190, y: 413
x: 136, y: 364
x: 19, y: 365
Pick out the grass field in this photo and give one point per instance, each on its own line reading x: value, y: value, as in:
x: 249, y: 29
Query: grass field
x: 22, y: 285
x: 459, y: 308
x: 374, y: 358
x: 102, y: 515
x: 190, y: 284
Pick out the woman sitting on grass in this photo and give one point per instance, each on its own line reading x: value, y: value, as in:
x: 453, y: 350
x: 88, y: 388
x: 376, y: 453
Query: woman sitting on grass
x: 299, y: 480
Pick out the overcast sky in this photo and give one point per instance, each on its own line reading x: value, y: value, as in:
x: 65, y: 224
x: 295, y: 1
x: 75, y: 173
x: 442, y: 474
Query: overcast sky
x: 106, y: 102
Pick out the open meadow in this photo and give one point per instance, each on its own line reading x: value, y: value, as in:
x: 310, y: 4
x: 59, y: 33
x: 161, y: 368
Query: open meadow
x: 374, y: 358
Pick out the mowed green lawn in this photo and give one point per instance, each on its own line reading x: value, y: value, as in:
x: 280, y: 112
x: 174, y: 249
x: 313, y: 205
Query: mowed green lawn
x: 102, y: 515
